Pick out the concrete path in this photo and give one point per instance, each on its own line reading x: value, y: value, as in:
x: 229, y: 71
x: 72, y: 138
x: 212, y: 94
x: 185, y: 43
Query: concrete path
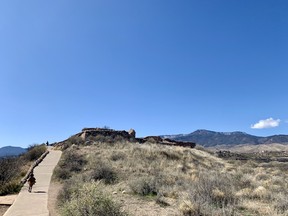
x: 35, y: 203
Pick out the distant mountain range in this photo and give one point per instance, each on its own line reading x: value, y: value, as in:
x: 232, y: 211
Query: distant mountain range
x: 208, y: 138
x: 11, y: 151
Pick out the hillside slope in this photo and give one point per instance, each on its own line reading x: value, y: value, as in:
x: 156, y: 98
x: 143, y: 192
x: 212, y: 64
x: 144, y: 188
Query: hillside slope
x: 155, y: 179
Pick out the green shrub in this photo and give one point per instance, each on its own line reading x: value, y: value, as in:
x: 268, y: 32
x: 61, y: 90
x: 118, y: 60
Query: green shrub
x: 89, y: 200
x: 34, y: 152
x: 10, y: 188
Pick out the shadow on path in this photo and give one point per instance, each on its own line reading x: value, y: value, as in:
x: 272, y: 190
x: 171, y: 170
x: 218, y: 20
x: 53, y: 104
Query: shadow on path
x: 39, y: 192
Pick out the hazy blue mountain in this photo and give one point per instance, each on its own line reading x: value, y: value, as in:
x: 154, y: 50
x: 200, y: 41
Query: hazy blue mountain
x: 11, y: 151
x: 212, y: 138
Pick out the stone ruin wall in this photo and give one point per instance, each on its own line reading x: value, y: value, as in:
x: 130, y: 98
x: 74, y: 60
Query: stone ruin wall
x: 163, y: 141
x: 129, y: 136
x: 86, y: 132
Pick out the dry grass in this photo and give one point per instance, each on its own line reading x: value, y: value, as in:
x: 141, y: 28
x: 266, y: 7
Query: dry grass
x: 13, y: 169
x: 151, y: 179
x: 3, y: 209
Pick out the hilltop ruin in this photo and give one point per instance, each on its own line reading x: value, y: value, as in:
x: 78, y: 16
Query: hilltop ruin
x: 92, y: 133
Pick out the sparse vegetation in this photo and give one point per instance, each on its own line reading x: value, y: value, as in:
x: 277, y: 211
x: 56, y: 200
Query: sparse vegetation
x: 34, y: 152
x: 211, y: 193
x: 144, y: 186
x: 89, y: 200
x: 12, y: 169
x: 9, y: 173
x: 173, y: 179
x: 71, y: 162
x: 105, y: 172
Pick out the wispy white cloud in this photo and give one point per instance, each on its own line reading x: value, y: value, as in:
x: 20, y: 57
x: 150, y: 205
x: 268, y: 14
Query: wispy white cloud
x: 266, y: 123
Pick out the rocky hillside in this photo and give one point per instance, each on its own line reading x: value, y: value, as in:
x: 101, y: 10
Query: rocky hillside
x: 211, y: 138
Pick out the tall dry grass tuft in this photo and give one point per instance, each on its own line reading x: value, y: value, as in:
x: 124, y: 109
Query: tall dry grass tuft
x: 71, y: 162
x: 89, y: 200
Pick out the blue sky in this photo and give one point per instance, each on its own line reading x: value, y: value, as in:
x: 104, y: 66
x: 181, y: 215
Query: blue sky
x: 160, y: 67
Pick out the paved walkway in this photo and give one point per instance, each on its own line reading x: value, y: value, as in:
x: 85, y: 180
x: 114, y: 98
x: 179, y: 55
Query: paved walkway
x: 35, y: 203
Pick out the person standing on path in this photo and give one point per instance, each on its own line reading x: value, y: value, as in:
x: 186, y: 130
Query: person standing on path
x: 31, y: 181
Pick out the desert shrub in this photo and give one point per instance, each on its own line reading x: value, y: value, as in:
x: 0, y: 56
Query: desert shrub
x: 187, y: 208
x: 220, y: 187
x: 76, y: 140
x: 244, y: 180
x: 212, y: 191
x: 281, y: 204
x: 65, y: 145
x: 69, y: 187
x: 170, y: 155
x: 71, y: 161
x: 144, y: 186
x: 261, y: 193
x: 262, y: 177
x: 160, y: 200
x: 103, y: 172
x: 62, y: 173
x: 89, y: 200
x: 278, y: 180
x: 73, y: 140
x: 10, y: 174
x: 10, y: 187
x: 34, y: 152
x: 146, y: 154
x: 118, y: 156
x: 119, y: 139
x: 9, y: 168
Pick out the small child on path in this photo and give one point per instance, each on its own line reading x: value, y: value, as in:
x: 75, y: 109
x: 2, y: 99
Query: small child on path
x: 31, y: 181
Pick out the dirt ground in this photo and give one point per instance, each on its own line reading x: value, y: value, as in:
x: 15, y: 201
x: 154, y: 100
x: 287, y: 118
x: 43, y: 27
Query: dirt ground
x: 3, y: 209
x: 133, y: 204
x: 54, y: 188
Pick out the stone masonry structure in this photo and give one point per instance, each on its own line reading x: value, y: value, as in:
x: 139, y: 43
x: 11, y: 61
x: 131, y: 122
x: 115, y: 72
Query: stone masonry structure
x: 86, y: 132
x: 129, y: 136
